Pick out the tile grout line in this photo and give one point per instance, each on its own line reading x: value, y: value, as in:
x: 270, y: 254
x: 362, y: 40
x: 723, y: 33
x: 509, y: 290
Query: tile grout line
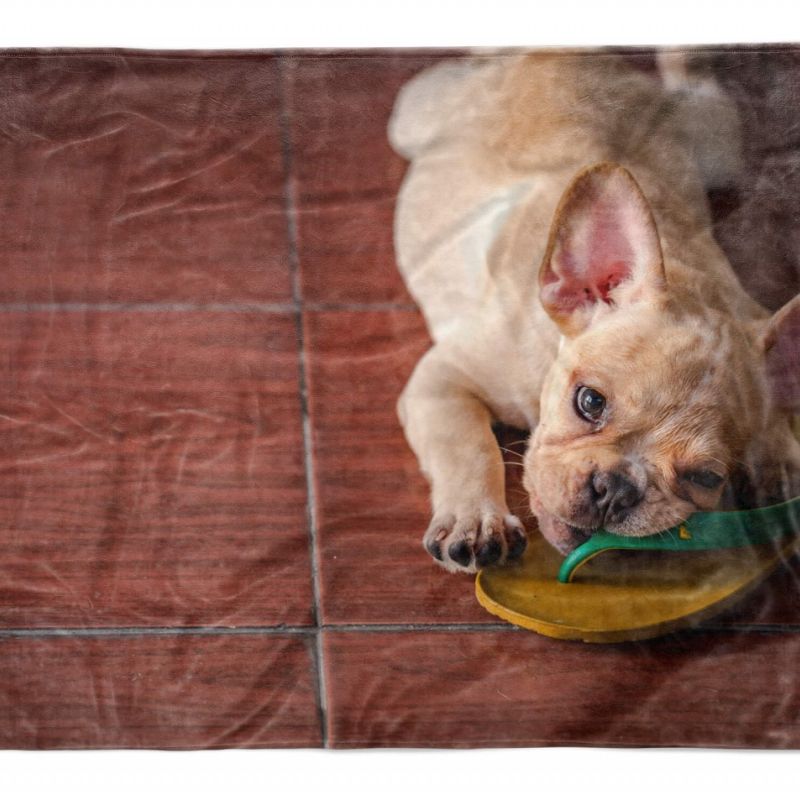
x: 69, y: 306
x: 419, y: 627
x: 368, y: 627
x: 200, y: 630
x: 271, y: 308
x: 290, y: 208
x: 258, y: 630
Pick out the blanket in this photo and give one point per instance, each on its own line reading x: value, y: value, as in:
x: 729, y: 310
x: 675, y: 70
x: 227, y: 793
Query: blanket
x: 210, y: 521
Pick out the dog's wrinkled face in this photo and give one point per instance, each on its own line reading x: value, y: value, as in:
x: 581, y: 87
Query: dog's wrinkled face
x: 639, y: 428
x: 651, y: 406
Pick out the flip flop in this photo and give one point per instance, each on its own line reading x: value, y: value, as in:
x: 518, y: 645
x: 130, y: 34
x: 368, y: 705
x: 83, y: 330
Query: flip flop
x: 642, y: 587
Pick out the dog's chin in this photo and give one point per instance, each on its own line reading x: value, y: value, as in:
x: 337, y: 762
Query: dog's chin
x: 563, y: 536
x: 560, y: 534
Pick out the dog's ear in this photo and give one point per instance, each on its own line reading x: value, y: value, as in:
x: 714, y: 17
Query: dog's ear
x: 781, y: 343
x: 603, y: 249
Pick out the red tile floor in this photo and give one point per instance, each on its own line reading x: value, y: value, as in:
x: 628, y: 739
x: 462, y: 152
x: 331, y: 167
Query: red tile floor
x: 210, y: 522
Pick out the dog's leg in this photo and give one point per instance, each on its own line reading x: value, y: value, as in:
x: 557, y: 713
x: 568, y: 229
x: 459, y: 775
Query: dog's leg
x: 449, y: 429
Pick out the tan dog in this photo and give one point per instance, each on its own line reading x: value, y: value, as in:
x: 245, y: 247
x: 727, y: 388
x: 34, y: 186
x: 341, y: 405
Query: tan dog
x: 594, y: 308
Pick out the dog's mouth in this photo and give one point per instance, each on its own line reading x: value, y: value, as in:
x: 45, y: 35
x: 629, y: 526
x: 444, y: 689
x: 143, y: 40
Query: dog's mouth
x: 562, y: 535
x: 565, y: 535
x: 580, y: 533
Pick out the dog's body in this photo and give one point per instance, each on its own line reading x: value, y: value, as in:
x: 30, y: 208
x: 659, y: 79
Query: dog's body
x: 494, y: 143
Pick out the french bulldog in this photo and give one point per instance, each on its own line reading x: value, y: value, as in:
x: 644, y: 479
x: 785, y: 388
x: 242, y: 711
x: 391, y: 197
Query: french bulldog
x: 553, y: 226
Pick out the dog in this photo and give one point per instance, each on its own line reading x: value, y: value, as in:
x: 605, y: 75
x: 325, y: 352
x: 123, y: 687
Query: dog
x: 553, y: 226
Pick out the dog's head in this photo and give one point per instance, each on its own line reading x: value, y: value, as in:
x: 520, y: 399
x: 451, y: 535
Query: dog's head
x: 657, y: 402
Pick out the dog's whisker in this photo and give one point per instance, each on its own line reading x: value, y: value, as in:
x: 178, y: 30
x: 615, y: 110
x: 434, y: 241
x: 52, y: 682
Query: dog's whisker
x: 512, y: 452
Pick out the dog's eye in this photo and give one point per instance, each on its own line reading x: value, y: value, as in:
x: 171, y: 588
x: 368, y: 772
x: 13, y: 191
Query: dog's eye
x: 704, y: 478
x: 589, y: 403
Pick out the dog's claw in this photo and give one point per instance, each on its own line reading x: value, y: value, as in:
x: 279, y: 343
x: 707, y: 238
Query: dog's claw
x: 460, y: 552
x: 489, y: 553
x: 434, y: 549
x: 516, y: 544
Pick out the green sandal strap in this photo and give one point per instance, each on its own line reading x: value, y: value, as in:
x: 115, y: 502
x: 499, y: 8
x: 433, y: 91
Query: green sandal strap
x: 712, y: 530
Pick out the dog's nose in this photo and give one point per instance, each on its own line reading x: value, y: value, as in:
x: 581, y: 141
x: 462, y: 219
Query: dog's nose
x: 614, y: 495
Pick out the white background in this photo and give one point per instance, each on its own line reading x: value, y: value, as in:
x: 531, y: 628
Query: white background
x: 528, y: 774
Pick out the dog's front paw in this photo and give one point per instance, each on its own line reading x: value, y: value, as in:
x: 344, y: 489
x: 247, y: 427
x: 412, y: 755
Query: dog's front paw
x: 468, y: 542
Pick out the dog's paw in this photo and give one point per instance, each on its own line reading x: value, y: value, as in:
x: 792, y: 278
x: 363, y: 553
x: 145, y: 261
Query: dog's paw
x: 468, y: 542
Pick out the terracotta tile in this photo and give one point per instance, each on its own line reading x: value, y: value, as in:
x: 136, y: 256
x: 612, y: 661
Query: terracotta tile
x: 339, y: 106
x: 173, y: 692
x: 489, y: 688
x: 346, y: 253
x: 346, y: 175
x: 371, y: 499
x: 151, y: 470
x: 141, y: 178
x: 775, y: 602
